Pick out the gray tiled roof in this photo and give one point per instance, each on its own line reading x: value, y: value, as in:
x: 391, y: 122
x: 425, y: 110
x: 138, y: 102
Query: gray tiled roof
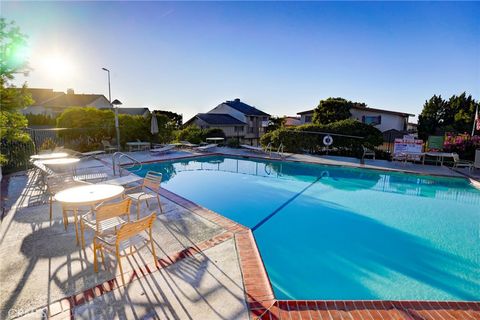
x: 245, y: 108
x: 219, y: 118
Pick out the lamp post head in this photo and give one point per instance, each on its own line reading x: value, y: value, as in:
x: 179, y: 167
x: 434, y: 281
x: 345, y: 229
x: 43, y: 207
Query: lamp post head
x: 116, y: 102
x: 105, y: 69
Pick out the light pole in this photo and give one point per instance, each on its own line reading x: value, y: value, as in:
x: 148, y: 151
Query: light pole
x: 117, y: 129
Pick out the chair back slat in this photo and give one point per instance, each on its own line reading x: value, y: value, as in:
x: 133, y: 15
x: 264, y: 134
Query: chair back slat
x: 111, y: 210
x: 152, y: 180
x: 58, y: 182
x: 133, y: 228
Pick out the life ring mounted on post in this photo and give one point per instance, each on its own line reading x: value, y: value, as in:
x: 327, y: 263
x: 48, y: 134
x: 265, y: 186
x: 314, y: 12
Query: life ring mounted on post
x: 327, y: 140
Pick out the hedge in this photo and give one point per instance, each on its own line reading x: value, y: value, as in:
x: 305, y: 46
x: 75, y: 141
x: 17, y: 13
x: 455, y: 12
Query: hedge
x: 196, y: 135
x: 296, y: 139
x: 87, y: 127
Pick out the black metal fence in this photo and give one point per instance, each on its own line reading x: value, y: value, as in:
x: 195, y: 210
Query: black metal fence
x: 18, y: 153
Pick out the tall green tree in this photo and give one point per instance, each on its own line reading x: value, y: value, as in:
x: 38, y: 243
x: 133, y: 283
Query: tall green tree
x: 12, y: 60
x: 453, y: 115
x: 332, y: 110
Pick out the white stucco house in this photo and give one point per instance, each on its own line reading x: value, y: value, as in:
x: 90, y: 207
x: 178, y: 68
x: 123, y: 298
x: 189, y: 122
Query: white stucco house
x: 381, y: 119
x: 237, y: 120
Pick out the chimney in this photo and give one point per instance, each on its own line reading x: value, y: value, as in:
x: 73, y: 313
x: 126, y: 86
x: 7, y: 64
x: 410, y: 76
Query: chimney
x: 237, y: 100
x: 70, y: 91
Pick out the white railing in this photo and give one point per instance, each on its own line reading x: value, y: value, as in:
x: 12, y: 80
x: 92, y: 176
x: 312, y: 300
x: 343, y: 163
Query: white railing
x: 116, y: 161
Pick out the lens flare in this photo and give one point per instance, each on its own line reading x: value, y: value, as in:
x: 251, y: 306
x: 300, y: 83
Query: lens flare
x: 56, y: 65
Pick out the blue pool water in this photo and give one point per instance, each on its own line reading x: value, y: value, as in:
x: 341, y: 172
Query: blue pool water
x: 338, y: 233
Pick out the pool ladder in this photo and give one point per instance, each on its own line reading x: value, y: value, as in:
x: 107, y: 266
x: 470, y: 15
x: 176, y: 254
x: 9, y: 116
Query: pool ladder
x: 116, y: 162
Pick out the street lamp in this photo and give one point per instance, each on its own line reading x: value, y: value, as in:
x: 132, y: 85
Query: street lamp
x: 116, y: 103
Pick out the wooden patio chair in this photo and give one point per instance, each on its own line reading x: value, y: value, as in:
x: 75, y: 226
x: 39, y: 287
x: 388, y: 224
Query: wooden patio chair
x: 150, y: 188
x: 106, y: 218
x: 131, y: 235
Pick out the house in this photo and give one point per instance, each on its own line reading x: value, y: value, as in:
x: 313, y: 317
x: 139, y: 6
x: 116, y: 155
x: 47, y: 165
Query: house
x: 381, y: 119
x: 292, y: 121
x: 52, y: 103
x: 237, y: 120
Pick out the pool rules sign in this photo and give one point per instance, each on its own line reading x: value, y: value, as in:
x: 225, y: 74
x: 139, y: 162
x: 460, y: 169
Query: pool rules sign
x: 407, y: 145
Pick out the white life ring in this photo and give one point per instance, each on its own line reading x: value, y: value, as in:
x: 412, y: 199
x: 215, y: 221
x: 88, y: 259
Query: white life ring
x: 327, y: 140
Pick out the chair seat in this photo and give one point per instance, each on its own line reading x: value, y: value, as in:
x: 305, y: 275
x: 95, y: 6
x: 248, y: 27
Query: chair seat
x: 104, y: 225
x: 141, y: 196
x: 108, y: 241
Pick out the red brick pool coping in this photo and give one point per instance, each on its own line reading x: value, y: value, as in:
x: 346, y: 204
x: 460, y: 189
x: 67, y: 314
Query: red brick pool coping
x: 259, y: 295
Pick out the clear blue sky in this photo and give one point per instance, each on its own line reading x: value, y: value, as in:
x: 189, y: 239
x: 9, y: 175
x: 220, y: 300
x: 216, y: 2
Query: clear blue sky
x: 282, y: 57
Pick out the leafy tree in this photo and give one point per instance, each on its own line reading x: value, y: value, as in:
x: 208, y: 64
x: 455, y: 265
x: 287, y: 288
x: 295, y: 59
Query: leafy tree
x: 431, y: 118
x: 331, y: 110
x: 298, y: 139
x: 275, y: 123
x: 191, y: 133
x: 12, y: 61
x: 439, y: 116
x: 175, y: 119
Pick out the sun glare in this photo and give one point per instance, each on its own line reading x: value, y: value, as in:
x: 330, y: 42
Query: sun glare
x: 57, y: 65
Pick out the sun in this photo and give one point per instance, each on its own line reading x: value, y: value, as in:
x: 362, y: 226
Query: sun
x: 57, y: 65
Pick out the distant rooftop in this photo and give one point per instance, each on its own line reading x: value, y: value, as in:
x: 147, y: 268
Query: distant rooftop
x: 403, y: 114
x: 50, y: 98
x: 245, y: 108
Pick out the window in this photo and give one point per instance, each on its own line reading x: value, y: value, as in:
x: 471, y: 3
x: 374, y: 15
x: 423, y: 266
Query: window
x: 308, y: 119
x: 373, y: 120
x: 265, y: 119
x: 250, y: 129
x: 238, y: 129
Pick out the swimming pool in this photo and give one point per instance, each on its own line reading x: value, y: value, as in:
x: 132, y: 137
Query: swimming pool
x: 328, y: 232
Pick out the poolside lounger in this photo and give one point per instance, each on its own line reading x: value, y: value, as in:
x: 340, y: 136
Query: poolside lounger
x: 162, y: 150
x: 188, y: 144
x: 206, y: 148
x: 368, y: 152
x: 457, y: 163
x: 257, y: 149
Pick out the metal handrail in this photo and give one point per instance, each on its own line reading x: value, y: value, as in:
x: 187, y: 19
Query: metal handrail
x: 280, y: 150
x: 268, y: 149
x: 120, y: 155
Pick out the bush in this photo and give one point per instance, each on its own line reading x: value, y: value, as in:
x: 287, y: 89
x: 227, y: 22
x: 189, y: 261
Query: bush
x: 48, y: 144
x: 41, y: 120
x: 196, y: 135
x: 192, y: 134
x: 297, y: 139
x: 233, y: 143
x: 89, y: 126
x: 463, y: 144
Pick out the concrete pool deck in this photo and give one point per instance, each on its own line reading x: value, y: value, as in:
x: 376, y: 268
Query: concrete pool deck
x: 210, y: 266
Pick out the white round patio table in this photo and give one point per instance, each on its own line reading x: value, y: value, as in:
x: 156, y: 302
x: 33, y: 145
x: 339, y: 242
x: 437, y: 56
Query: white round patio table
x: 61, y: 164
x: 87, y: 195
x: 47, y: 156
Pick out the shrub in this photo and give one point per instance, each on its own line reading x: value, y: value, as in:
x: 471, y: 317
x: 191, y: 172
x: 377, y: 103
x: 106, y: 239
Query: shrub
x: 194, y: 134
x: 41, y: 120
x: 300, y: 138
x: 89, y: 126
x: 233, y: 143
x: 463, y: 144
x: 48, y: 144
x: 213, y: 133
